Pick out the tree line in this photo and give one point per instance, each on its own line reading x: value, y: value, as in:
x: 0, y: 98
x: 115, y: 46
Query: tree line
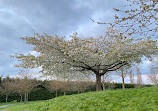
x: 25, y: 85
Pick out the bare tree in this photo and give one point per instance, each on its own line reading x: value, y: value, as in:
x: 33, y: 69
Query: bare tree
x: 139, y: 77
x: 6, y: 87
x: 53, y: 85
x: 153, y: 77
x: 85, y: 85
x: 18, y: 86
x: 65, y: 86
x: 25, y: 84
x: 123, y: 73
x: 76, y: 86
x: 104, y: 78
x: 131, y: 76
x: 111, y: 85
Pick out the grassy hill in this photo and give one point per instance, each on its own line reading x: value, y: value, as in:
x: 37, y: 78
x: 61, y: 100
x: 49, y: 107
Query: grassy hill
x: 141, y: 99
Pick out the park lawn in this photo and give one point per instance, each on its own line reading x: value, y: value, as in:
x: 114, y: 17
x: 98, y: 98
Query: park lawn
x: 140, y: 99
x: 21, y: 106
x: 1, y: 104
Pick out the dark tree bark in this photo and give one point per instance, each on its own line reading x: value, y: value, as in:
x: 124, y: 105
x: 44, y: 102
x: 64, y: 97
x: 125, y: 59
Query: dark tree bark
x: 20, y: 98
x: 123, y: 83
x: 25, y: 98
x: 98, y: 82
x: 6, y: 99
x: 56, y: 93
x: 99, y: 70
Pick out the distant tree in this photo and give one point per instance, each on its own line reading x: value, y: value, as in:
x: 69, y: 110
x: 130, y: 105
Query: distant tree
x: 28, y: 85
x: 0, y: 84
x: 123, y: 73
x: 110, y: 85
x: 105, y: 78
x: 139, y: 77
x: 84, y: 85
x: 131, y: 76
x: 0, y: 79
x: 53, y: 85
x: 18, y: 86
x: 77, y: 86
x: 153, y: 77
x: 107, y: 81
x: 94, y: 55
x: 6, y: 87
x: 25, y: 84
x: 65, y: 86
x: 1, y: 90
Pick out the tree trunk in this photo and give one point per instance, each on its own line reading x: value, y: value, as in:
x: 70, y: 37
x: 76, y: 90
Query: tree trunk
x: 20, y: 98
x: 25, y: 98
x: 98, y: 82
x: 6, y: 99
x: 103, y: 83
x: 56, y: 93
x: 123, y: 81
x: 64, y: 93
x: 131, y: 77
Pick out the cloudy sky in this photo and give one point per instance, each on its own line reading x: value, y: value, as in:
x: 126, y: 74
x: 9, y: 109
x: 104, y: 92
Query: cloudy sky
x: 20, y: 18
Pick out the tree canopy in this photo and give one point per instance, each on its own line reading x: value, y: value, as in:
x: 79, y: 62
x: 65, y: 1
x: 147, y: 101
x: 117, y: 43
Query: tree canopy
x: 96, y: 54
x: 137, y: 17
x: 141, y: 17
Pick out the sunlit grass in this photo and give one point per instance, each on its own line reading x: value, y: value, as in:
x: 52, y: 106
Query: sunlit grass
x: 140, y: 99
x: 143, y: 99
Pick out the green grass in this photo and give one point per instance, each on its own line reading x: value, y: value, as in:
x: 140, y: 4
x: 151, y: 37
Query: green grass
x: 141, y: 99
x: 21, y: 106
x: 1, y: 104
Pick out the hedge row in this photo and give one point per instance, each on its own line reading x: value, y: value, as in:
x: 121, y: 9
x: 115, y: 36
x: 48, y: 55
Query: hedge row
x: 43, y: 93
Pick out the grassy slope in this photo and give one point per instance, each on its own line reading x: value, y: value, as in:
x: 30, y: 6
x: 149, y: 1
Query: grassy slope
x: 21, y: 106
x: 1, y: 104
x: 144, y: 99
